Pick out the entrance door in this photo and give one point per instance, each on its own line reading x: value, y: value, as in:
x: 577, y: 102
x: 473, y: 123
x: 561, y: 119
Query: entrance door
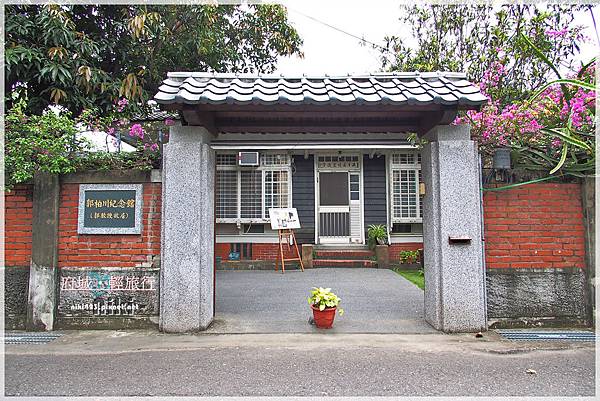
x: 334, y: 208
x: 339, y: 209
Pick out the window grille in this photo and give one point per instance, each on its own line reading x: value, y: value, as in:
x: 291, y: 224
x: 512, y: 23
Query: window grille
x: 275, y: 159
x: 227, y: 194
x: 404, y: 159
x: 405, y: 178
x: 246, y: 194
x: 226, y: 159
x: 251, y: 194
x: 276, y: 189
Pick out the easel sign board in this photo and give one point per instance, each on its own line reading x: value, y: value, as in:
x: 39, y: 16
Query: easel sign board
x: 284, y: 218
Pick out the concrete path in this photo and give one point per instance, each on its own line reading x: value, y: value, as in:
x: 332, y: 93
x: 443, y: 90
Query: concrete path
x: 374, y: 301
x: 147, y: 363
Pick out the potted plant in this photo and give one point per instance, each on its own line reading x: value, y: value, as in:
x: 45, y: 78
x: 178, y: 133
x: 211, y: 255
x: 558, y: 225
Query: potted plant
x: 377, y: 235
x: 324, y: 303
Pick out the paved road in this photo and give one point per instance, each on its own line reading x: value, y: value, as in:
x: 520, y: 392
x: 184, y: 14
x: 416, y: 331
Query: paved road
x: 375, y: 301
x: 106, y: 364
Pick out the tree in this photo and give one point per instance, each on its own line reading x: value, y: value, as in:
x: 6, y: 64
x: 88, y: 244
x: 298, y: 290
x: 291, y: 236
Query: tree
x: 83, y: 56
x: 553, y: 130
x: 51, y: 142
x: 471, y: 38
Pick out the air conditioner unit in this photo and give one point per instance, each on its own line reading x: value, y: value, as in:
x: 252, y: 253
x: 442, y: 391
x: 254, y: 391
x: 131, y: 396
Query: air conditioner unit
x: 248, y: 159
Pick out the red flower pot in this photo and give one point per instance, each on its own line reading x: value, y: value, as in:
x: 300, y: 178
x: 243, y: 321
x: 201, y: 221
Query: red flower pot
x: 323, y: 318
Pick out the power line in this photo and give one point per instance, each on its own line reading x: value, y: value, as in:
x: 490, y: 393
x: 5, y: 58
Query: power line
x: 382, y: 48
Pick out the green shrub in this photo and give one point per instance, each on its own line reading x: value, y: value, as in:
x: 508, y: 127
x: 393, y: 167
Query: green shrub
x: 409, y: 256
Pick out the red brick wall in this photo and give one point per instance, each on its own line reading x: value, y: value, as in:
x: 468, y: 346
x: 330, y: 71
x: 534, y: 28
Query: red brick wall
x: 259, y: 251
x: 222, y: 250
x: 80, y: 250
x: 395, y: 249
x: 534, y: 226
x: 271, y: 251
x: 18, y: 219
x: 537, y: 225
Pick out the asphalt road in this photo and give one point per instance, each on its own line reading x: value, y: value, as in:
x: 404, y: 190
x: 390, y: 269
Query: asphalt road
x: 299, y: 365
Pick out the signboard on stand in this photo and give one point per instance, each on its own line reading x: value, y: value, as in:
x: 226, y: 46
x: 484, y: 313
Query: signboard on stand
x: 284, y: 218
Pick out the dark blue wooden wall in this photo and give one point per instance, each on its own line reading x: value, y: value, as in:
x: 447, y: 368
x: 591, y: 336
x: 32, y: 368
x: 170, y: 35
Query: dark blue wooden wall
x: 303, y: 197
x: 374, y: 190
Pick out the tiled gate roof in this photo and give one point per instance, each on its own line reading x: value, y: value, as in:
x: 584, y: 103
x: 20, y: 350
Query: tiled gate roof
x: 414, y: 88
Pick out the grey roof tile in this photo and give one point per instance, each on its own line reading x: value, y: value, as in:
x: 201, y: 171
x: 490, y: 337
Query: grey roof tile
x: 386, y: 88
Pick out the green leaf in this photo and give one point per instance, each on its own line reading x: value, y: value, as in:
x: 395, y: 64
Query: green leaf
x: 565, y: 136
x: 563, y: 157
x: 584, y: 67
x: 573, y: 82
x: 540, y: 54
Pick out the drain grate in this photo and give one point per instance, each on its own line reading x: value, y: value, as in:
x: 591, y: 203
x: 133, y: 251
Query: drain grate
x: 527, y: 335
x: 30, y: 338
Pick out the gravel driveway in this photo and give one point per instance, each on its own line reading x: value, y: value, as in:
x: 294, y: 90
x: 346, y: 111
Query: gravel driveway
x: 374, y: 301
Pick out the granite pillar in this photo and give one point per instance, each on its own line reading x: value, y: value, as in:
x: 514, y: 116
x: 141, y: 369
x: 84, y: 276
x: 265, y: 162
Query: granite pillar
x: 187, y: 271
x: 43, y: 272
x: 307, y: 255
x: 588, y: 197
x: 452, y: 232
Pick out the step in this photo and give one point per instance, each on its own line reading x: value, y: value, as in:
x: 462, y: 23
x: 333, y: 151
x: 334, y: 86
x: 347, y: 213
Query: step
x: 359, y: 254
x: 354, y: 263
x: 341, y: 247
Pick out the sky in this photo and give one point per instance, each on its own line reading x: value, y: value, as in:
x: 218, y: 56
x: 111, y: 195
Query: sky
x: 327, y: 51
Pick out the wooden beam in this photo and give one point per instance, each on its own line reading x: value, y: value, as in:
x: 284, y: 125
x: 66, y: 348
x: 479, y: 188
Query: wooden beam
x: 311, y: 121
x: 312, y: 108
x: 306, y: 128
x: 320, y: 114
x: 204, y: 119
x: 429, y: 121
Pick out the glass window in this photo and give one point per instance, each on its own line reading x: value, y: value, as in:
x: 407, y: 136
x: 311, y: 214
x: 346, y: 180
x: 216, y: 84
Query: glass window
x: 354, y: 187
x: 248, y: 193
x: 405, y: 177
x: 276, y: 189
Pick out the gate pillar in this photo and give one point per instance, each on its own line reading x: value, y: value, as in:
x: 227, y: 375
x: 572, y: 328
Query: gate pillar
x: 187, y: 241
x: 455, y: 298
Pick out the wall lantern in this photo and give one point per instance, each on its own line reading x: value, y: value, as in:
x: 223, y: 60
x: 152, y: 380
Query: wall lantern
x: 501, y: 164
x: 502, y: 159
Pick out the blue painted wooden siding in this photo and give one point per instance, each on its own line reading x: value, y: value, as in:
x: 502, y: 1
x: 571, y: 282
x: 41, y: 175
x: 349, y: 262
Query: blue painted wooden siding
x: 303, y: 197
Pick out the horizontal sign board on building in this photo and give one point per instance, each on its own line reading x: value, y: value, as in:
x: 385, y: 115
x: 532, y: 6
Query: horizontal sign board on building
x: 110, y: 209
x: 339, y: 165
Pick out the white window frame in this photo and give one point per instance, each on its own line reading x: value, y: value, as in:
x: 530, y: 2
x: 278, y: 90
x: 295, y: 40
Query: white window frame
x: 397, y: 166
x: 287, y: 166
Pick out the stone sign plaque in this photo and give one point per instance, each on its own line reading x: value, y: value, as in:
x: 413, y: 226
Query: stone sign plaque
x: 110, y: 209
x: 102, y: 292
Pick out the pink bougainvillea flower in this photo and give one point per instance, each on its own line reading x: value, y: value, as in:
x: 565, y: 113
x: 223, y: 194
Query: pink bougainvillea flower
x: 169, y: 121
x: 136, y: 130
x: 121, y: 104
